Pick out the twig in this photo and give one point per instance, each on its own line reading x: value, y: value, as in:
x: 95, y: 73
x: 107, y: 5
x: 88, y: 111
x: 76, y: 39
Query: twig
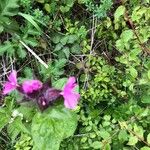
x: 34, y: 54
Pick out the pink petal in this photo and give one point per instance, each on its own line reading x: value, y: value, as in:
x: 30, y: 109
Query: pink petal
x: 13, y: 77
x: 70, y: 83
x: 11, y: 84
x: 8, y: 87
x: 71, y: 98
x: 31, y: 85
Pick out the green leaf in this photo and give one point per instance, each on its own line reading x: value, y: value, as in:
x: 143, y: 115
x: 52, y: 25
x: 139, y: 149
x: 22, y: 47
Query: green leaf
x: 4, y: 118
x: 1, y: 28
x: 58, y: 47
x: 145, y: 148
x: 72, y: 38
x: 51, y: 127
x: 16, y: 127
x: 76, y: 49
x: 148, y: 138
x: 133, y: 72
x: 47, y: 7
x: 59, y: 84
x: 5, y: 47
x: 8, y: 7
x: 66, y: 51
x: 126, y: 35
x: 139, y: 131
x: 148, y: 74
x: 119, y: 12
x: 132, y: 140
x: 104, y: 134
x: 123, y: 136
x: 145, y: 99
x: 97, y: 145
x: 64, y: 40
x: 31, y: 20
x: 21, y: 52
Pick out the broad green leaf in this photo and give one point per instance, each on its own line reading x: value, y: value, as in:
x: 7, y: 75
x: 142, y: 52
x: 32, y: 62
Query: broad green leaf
x: 64, y: 40
x: 58, y: 47
x: 139, y: 131
x: 27, y: 111
x: 132, y: 140
x: 126, y: 35
x: 76, y: 49
x: 119, y: 12
x: 72, y: 38
x: 104, y: 134
x: 66, y: 51
x: 145, y: 99
x: 51, y: 127
x: 47, y: 7
x: 123, y: 136
x: 97, y: 145
x: 148, y: 138
x: 148, y: 74
x: 133, y: 72
x: 59, y: 84
x: 8, y: 7
x: 145, y: 148
x: 40, y: 1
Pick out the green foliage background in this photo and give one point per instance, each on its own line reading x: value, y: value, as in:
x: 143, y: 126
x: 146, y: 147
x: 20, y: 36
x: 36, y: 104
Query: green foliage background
x: 106, y: 46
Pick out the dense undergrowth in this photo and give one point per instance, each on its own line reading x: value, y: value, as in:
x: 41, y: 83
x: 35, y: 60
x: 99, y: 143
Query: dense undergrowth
x: 105, y: 45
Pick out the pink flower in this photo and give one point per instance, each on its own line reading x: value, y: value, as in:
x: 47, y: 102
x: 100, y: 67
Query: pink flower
x: 31, y: 85
x: 71, y: 98
x: 11, y: 84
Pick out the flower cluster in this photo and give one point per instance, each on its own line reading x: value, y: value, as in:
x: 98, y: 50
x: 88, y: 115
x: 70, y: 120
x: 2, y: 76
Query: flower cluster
x: 29, y: 87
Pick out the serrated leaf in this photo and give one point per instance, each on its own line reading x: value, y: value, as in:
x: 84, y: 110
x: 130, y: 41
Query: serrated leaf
x: 72, y: 38
x: 5, y: 47
x: 16, y: 127
x: 21, y: 52
x: 51, y: 127
x: 66, y: 51
x: 148, y: 74
x: 145, y: 148
x: 76, y: 49
x: 145, y: 99
x: 133, y: 72
x: 132, y: 140
x: 97, y: 145
x: 58, y: 47
x: 123, y: 136
x: 8, y: 7
x: 59, y: 84
x: 4, y: 119
x: 64, y: 40
x: 148, y: 138
x: 104, y: 134
x: 119, y: 12
x: 139, y: 131
x: 126, y: 35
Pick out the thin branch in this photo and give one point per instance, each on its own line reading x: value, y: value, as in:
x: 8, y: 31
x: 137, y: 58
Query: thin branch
x: 34, y: 54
